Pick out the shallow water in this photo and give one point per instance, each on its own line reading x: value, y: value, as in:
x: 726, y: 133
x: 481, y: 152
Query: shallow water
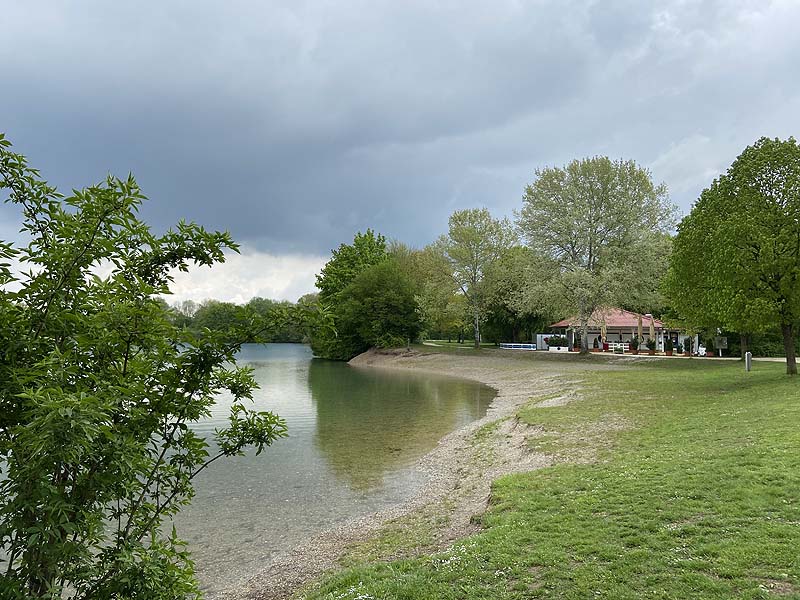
x: 354, y: 436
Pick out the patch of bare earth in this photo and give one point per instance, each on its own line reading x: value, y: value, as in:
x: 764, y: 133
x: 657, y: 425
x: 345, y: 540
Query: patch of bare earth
x: 777, y: 587
x: 460, y: 470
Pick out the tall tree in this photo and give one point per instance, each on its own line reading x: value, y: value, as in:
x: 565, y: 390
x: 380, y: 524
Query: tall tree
x: 348, y: 260
x: 696, y: 300
x: 98, y: 392
x: 746, y: 225
x: 328, y: 339
x: 600, y: 225
x: 509, y: 315
x: 436, y: 291
x: 378, y: 309
x: 474, y: 242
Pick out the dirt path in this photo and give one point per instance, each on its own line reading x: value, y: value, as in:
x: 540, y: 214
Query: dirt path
x: 460, y: 469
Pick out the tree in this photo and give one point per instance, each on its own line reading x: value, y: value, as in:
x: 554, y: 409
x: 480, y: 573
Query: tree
x: 601, y: 227
x: 348, y: 261
x: 746, y: 225
x: 278, y: 321
x: 225, y: 318
x: 98, y: 391
x: 328, y: 340
x: 473, y: 243
x: 696, y: 301
x: 509, y: 315
x: 183, y: 312
x: 378, y: 309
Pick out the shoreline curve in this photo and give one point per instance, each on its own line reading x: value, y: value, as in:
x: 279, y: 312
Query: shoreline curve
x: 457, y: 470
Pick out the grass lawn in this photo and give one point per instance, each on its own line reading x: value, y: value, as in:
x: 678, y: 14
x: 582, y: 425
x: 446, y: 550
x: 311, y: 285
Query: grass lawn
x: 698, y: 496
x: 444, y: 345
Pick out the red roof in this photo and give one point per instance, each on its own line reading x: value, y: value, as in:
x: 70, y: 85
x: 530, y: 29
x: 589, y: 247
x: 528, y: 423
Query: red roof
x: 613, y: 317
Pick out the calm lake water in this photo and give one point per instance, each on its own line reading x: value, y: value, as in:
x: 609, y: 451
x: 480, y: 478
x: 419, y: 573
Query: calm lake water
x: 354, y: 436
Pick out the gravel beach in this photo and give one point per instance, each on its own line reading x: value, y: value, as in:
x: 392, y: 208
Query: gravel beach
x: 459, y: 470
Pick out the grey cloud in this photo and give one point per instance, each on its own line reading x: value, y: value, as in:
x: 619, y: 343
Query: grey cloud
x: 294, y: 124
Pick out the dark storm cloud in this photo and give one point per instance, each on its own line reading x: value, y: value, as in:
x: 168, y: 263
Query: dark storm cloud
x: 294, y: 124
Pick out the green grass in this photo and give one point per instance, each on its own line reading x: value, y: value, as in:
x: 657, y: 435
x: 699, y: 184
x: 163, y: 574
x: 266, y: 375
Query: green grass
x: 451, y: 347
x: 403, y: 536
x: 696, y: 497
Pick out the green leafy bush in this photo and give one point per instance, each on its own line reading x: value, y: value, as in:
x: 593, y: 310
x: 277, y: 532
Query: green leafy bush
x: 98, y: 393
x: 557, y: 341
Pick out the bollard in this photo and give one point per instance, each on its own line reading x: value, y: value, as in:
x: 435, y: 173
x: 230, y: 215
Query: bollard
x: 748, y: 361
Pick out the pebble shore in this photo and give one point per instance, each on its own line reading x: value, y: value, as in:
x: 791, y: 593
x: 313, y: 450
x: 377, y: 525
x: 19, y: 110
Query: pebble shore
x: 459, y: 471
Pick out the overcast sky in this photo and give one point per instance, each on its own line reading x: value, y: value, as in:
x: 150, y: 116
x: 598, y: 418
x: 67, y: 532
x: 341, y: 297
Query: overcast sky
x: 295, y: 124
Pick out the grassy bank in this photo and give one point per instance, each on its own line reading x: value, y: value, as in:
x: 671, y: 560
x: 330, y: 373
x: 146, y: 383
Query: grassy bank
x: 693, y: 492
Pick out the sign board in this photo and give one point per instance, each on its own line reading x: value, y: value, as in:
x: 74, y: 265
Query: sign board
x: 721, y: 343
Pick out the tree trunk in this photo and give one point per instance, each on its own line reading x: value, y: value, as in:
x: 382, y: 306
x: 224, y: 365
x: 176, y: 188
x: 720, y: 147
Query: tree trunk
x: 788, y: 345
x: 744, y: 343
x: 585, y: 336
x: 477, y: 331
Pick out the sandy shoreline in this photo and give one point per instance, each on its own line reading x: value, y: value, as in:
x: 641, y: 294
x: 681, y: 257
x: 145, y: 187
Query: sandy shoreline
x: 460, y: 471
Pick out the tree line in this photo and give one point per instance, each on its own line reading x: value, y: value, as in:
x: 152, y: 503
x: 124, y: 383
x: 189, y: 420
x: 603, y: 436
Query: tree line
x: 596, y: 232
x: 592, y: 233
x: 260, y: 320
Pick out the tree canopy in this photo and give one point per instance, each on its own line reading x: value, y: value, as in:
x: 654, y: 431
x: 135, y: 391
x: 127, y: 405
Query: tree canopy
x: 259, y: 321
x: 737, y: 257
x: 347, y: 261
x: 378, y: 308
x: 474, y: 242
x: 600, y: 227
x: 337, y: 332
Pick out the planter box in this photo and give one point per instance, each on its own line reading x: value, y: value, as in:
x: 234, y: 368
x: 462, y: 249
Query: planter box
x: 558, y: 349
x: 668, y: 352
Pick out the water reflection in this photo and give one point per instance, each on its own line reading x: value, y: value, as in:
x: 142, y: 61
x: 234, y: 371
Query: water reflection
x: 354, y: 435
x: 370, y: 421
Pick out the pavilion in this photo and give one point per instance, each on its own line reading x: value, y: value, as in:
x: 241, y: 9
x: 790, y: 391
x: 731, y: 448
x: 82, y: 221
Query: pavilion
x: 617, y: 326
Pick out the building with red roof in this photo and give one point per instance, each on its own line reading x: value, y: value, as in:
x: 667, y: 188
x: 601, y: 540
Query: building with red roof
x: 612, y: 326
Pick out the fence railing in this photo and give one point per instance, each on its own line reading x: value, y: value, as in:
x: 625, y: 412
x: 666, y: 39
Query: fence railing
x: 625, y: 347
x: 518, y: 346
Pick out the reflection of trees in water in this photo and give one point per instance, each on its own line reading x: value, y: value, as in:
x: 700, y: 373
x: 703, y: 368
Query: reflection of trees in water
x: 370, y: 421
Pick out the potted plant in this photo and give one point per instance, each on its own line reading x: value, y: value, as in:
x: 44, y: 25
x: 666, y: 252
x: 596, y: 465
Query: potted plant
x: 668, y: 347
x: 557, y: 343
x: 679, y: 348
x: 687, y: 346
x: 634, y: 344
x: 596, y: 345
x: 651, y: 346
x: 576, y: 345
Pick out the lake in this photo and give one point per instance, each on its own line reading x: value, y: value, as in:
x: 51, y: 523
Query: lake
x: 354, y: 437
